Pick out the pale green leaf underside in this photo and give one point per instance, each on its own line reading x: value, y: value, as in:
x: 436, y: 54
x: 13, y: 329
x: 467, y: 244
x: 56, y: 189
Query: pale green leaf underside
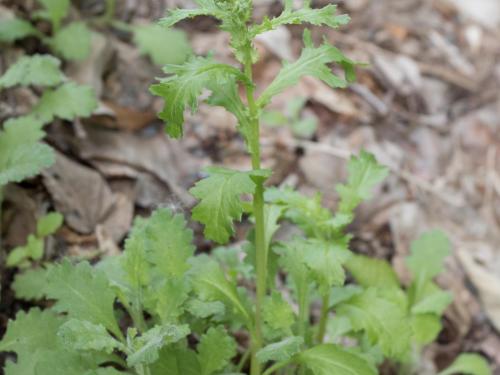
x: 40, y: 70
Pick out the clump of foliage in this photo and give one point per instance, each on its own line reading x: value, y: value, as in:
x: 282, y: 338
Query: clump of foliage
x: 240, y: 308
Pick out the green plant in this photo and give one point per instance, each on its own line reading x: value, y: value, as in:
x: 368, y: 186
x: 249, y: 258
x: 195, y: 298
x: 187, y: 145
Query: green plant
x: 22, y: 256
x: 180, y: 313
x: 70, y: 41
x: 301, y: 126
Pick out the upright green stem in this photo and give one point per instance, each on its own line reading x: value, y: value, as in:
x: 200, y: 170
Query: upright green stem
x: 110, y: 11
x: 258, y: 211
x: 323, y: 318
x: 1, y: 202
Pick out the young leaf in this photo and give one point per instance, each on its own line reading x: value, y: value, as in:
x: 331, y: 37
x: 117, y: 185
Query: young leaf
x: 151, y: 40
x: 176, y: 360
x: 32, y: 250
x: 81, y: 335
x: 313, y: 61
x: 13, y: 29
x: 280, y: 351
x: 319, y: 17
x: 383, y: 320
x: 186, y: 83
x: 431, y: 299
x: 215, y: 350
x: 40, y: 70
x: 67, y: 102
x: 468, y: 364
x: 146, y: 347
x: 49, y: 224
x: 72, y: 42
x: 54, y: 11
x: 426, y: 328
x: 364, y: 174
x: 203, y: 310
x: 220, y: 203
x: 21, y: 156
x: 328, y: 359
x: 30, y: 332
x: 83, y: 293
x: 372, y: 272
x: 168, y: 243
x: 277, y: 313
x: 31, y: 284
x: 210, y: 284
x: 171, y: 296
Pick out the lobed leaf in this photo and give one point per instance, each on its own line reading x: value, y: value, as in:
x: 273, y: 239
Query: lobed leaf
x: 215, y: 350
x: 72, y: 42
x: 31, y: 284
x: 40, y: 70
x: 280, y: 351
x: 176, y: 360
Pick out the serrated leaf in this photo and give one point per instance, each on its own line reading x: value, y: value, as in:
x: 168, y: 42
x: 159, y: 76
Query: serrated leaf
x: 325, y: 16
x: 82, y: 335
x: 220, y: 202
x: 168, y: 243
x: 67, y: 102
x: 383, y: 320
x: 468, y: 364
x: 83, y: 293
x: 21, y: 156
x: 215, y: 350
x: 40, y: 70
x: 171, y: 296
x: 72, y: 42
x: 152, y: 39
x: 328, y: 359
x: 210, y: 284
x: 12, y: 29
x: 186, y: 83
x: 31, y: 284
x: 203, y: 309
x: 372, y: 272
x: 175, y: 360
x: 277, y: 313
x: 147, y: 346
x: 49, y: 224
x: 54, y: 10
x: 280, y: 351
x: 363, y: 174
x: 30, y: 332
x: 313, y: 61
x: 426, y: 328
x: 428, y: 253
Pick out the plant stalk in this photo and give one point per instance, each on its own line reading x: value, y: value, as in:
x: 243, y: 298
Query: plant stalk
x: 323, y: 318
x: 258, y: 211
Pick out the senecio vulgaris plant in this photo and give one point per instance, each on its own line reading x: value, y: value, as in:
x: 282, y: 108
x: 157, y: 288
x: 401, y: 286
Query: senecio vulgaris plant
x: 158, y: 309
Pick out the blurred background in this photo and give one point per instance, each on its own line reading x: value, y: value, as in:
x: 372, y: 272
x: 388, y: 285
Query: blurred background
x: 427, y: 105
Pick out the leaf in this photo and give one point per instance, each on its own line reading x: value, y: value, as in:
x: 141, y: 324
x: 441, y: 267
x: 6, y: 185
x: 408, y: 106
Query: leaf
x: 30, y: 332
x: 13, y: 29
x: 83, y: 293
x: 32, y: 250
x: 49, y: 224
x: 372, y: 272
x: 175, y: 360
x: 383, y: 320
x: 147, y: 346
x: 363, y: 174
x: 67, y: 102
x: 171, y: 296
x: 220, y: 203
x: 277, y: 313
x: 210, y: 284
x: 82, y: 335
x: 168, y: 243
x: 280, y: 351
x: 21, y: 156
x: 31, y: 284
x: 468, y: 364
x: 312, y: 62
x: 428, y: 253
x: 328, y: 359
x: 186, y: 83
x: 432, y: 299
x: 215, y: 350
x: 206, y: 8
x: 325, y: 16
x: 72, y: 42
x: 202, y: 309
x: 54, y: 11
x: 39, y: 70
x: 426, y: 328
x: 152, y: 39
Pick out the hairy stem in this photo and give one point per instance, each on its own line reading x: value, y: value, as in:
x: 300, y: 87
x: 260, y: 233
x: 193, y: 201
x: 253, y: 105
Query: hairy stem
x: 323, y: 318
x: 258, y: 211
